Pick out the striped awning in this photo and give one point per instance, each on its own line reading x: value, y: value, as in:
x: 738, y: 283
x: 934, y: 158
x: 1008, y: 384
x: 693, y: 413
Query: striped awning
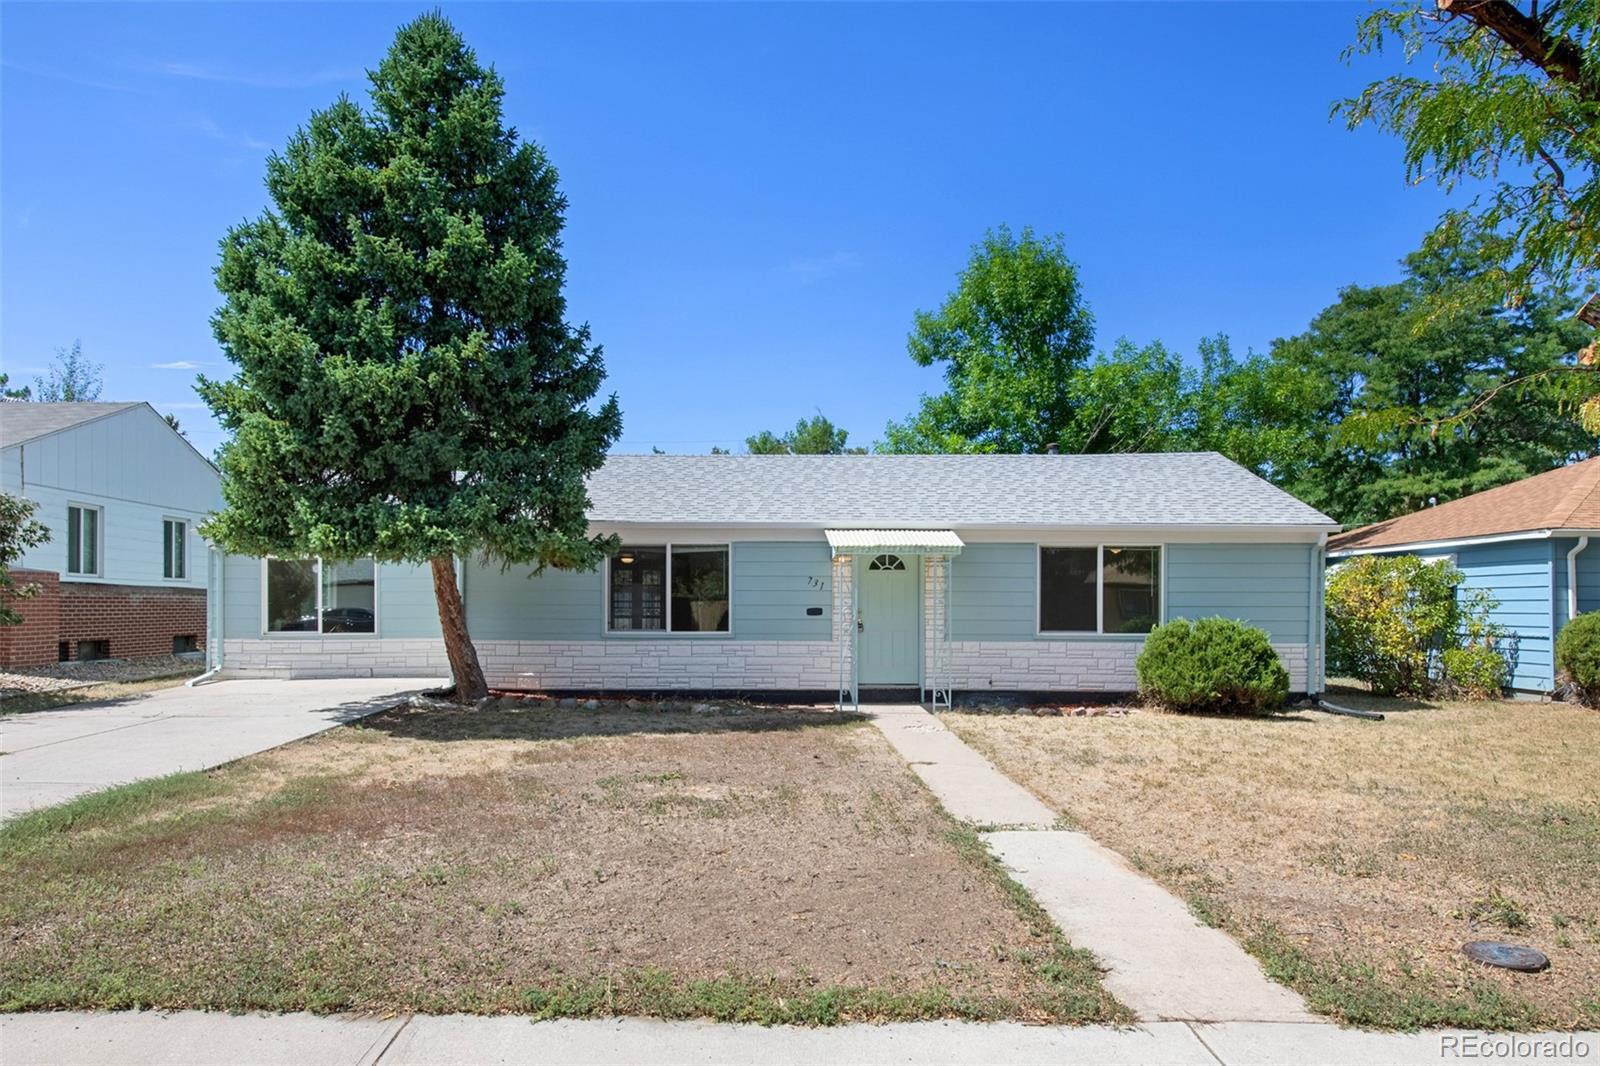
x: 894, y: 542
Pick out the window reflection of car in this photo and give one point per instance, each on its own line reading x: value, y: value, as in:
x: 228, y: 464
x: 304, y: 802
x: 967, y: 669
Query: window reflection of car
x: 347, y: 620
x: 306, y: 623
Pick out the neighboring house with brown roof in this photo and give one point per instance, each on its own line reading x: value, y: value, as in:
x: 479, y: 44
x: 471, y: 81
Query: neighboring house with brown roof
x: 1527, y: 543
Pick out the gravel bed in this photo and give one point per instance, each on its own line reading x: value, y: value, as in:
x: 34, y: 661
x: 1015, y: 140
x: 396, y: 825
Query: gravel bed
x: 64, y: 676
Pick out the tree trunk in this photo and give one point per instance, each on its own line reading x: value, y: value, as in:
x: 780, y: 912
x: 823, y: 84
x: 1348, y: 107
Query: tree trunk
x: 1559, y: 57
x: 470, y: 685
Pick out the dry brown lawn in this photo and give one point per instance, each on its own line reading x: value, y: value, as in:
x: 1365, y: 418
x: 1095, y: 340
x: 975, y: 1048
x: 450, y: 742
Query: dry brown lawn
x: 1355, y: 857
x: 770, y: 866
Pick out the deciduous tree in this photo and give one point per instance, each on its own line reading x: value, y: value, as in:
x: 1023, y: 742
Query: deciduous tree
x: 810, y: 436
x: 407, y: 385
x: 71, y: 379
x: 1009, y: 338
x: 19, y: 531
x: 1390, y: 370
x: 1502, y: 97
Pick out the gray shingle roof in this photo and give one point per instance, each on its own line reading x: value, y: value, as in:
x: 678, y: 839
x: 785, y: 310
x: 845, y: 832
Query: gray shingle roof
x: 932, y: 491
x: 21, y: 422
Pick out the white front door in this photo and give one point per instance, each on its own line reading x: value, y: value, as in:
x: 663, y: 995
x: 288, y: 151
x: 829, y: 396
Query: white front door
x: 888, y: 606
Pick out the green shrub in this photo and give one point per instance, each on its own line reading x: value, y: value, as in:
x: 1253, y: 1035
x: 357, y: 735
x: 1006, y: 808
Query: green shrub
x: 1215, y: 665
x: 1475, y: 672
x: 1407, y: 629
x: 1578, y: 657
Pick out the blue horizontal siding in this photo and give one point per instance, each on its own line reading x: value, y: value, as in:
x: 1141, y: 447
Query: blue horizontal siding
x: 992, y: 592
x: 1519, y: 574
x: 775, y: 583
x: 1265, y: 585
x: 519, y: 605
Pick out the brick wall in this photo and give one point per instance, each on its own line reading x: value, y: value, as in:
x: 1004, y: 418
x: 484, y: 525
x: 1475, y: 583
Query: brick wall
x: 33, y: 643
x: 136, y: 620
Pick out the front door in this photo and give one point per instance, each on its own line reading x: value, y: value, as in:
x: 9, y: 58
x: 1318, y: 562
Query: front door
x: 888, y: 605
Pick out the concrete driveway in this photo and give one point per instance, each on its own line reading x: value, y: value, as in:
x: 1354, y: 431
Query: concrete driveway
x: 52, y: 756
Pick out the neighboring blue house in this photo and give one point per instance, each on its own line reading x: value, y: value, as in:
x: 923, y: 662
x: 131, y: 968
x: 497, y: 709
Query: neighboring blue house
x: 1528, y: 543
x: 829, y: 574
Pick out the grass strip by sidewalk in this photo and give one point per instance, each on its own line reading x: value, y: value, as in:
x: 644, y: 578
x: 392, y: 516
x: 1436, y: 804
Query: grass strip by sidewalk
x: 1072, y: 974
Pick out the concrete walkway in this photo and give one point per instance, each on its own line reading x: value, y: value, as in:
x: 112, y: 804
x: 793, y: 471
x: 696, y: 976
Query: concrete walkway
x: 52, y: 756
x: 969, y: 786
x: 1158, y: 959
x: 152, y: 1039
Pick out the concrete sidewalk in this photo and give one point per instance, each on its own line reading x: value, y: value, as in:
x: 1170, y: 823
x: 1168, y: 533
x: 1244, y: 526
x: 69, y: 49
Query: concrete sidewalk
x: 1158, y: 959
x: 152, y: 1039
x: 53, y: 756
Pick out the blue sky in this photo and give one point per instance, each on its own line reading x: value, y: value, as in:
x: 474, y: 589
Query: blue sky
x: 761, y: 196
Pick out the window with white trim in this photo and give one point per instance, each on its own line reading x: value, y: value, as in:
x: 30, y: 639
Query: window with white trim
x: 668, y: 588
x: 84, y: 548
x: 174, y: 548
x: 317, y: 596
x: 1099, y: 589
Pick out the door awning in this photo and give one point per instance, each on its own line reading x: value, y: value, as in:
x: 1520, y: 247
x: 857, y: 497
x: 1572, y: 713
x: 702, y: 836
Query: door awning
x: 894, y: 542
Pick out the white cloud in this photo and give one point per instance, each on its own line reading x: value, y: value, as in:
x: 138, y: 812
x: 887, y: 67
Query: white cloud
x: 180, y: 364
x: 73, y: 79
x: 197, y: 72
x: 238, y: 140
x: 815, y: 268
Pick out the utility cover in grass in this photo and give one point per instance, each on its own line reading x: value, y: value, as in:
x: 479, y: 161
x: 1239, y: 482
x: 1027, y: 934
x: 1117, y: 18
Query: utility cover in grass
x: 1506, y: 956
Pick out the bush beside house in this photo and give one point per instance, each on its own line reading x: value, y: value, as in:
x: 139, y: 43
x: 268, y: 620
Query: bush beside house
x: 1405, y: 627
x: 1578, y: 658
x: 1211, y: 666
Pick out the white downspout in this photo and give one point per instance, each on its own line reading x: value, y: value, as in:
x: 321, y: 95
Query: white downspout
x: 216, y: 574
x: 1572, y: 576
x: 1319, y: 619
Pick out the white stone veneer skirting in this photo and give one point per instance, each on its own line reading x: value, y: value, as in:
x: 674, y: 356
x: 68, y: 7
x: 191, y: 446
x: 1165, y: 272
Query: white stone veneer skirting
x: 701, y: 663
x: 1070, y: 665
x: 668, y: 663
x: 334, y: 657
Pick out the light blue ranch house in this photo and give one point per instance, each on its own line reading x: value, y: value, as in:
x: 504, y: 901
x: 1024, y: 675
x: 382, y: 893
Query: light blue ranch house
x: 830, y: 576
x: 1527, y: 543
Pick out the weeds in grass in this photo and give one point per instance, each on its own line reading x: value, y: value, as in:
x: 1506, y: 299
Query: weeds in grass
x: 1498, y: 909
x: 1345, y: 863
x: 1210, y: 910
x: 1353, y: 991
x: 751, y: 1000
x: 110, y: 808
x: 1071, y: 973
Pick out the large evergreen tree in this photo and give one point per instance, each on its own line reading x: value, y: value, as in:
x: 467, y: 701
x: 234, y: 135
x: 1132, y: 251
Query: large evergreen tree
x: 407, y: 385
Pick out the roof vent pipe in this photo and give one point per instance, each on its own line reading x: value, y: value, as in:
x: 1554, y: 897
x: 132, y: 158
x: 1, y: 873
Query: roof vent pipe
x: 1052, y: 448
